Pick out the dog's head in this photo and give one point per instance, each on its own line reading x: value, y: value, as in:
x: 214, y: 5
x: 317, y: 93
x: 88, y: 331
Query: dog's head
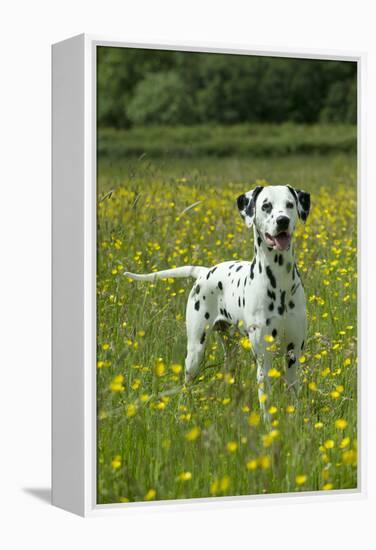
x: 274, y: 210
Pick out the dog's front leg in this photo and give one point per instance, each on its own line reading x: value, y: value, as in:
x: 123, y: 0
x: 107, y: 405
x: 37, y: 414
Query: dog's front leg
x: 263, y: 381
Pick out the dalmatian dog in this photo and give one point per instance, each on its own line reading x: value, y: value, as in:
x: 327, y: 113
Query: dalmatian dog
x: 263, y: 297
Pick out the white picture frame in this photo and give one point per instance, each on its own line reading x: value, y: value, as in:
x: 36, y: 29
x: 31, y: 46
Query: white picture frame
x: 74, y: 276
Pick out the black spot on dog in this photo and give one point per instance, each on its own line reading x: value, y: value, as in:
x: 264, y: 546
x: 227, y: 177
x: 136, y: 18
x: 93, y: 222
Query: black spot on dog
x: 267, y: 322
x: 204, y: 297
x: 221, y: 311
x: 280, y: 259
x: 271, y: 294
x: 198, y: 289
x: 259, y: 240
x: 207, y: 315
x: 271, y: 277
x: 239, y: 303
x: 239, y: 268
x: 252, y: 269
x: 271, y: 306
x: 274, y: 332
x: 202, y: 339
x: 238, y: 283
x: 260, y: 267
x: 225, y: 313
x: 245, y: 281
x: 220, y: 285
x: 197, y: 305
x: 290, y: 347
x: 302, y: 346
x: 243, y: 302
x: 281, y: 308
x: 291, y: 304
x: 291, y: 362
x: 276, y: 259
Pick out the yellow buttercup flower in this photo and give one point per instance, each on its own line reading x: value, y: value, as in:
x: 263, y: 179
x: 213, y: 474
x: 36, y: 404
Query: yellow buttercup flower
x: 254, y: 419
x: 251, y: 464
x: 193, y: 433
x: 341, y: 423
x: 274, y: 373
x: 214, y: 487
x: 136, y: 384
x: 232, y: 446
x: 131, y: 410
x: 116, y: 462
x: 176, y: 368
x: 267, y: 440
x: 344, y: 443
x: 245, y: 343
x: 160, y: 368
x: 224, y: 483
x: 349, y: 457
x: 185, y: 476
x: 300, y: 479
x: 116, y: 384
x: 150, y: 495
x: 265, y: 462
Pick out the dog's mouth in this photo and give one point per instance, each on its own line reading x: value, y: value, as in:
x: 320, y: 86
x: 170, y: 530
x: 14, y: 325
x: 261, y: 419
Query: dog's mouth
x: 280, y: 242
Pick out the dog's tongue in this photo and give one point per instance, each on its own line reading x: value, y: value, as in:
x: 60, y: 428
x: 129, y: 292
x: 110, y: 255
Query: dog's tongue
x: 282, y: 241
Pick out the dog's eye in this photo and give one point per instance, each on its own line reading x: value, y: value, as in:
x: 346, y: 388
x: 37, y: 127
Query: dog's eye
x: 289, y: 204
x: 267, y: 207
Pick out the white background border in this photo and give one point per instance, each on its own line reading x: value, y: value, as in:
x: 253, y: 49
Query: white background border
x: 28, y: 30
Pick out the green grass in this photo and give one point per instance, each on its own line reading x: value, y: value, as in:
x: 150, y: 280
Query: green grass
x: 144, y: 414
x: 223, y: 141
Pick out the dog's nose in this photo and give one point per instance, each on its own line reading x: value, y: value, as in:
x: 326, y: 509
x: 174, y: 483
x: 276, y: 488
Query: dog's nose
x: 282, y: 222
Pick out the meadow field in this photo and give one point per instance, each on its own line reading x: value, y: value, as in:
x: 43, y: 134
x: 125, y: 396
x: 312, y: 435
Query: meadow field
x: 158, y: 439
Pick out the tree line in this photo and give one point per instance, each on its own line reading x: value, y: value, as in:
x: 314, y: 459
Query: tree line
x: 141, y: 87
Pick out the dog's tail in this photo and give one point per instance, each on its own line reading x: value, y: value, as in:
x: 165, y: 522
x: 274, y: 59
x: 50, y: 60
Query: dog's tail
x: 194, y: 271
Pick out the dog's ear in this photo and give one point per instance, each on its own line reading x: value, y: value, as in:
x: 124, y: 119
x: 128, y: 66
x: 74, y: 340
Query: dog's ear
x: 303, y: 202
x: 247, y: 205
